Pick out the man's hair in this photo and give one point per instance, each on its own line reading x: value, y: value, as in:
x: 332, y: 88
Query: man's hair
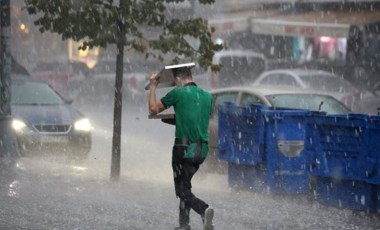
x: 183, y: 73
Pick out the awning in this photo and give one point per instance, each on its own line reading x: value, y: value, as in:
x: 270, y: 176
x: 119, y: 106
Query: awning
x: 313, y: 24
x: 237, y: 22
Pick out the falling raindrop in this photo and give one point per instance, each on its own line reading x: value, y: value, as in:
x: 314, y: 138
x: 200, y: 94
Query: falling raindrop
x: 362, y: 200
x: 13, y: 190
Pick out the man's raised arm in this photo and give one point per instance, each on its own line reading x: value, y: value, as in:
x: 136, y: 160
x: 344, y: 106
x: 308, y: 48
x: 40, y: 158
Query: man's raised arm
x: 155, y: 106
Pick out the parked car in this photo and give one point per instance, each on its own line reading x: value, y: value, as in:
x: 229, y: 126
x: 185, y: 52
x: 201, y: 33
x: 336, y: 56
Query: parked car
x: 238, y: 67
x: 371, y: 103
x: 312, y: 79
x: 101, y: 85
x: 45, y: 122
x: 284, y: 97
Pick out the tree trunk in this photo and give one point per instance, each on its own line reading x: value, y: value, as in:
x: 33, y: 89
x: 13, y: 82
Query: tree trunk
x: 8, y: 141
x: 116, y: 145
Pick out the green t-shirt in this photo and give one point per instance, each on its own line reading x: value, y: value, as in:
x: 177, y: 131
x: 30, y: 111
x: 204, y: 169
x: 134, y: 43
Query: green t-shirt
x: 192, y: 107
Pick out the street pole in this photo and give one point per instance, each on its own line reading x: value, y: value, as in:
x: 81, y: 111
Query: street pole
x: 8, y: 142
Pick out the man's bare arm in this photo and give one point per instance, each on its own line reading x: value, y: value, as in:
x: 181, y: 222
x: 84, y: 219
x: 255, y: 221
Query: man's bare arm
x: 155, y: 106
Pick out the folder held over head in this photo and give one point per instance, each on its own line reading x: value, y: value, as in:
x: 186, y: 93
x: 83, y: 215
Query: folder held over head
x: 166, y: 75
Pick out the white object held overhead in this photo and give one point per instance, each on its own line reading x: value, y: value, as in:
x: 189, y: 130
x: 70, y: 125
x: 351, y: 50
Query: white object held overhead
x: 190, y: 65
x: 166, y: 75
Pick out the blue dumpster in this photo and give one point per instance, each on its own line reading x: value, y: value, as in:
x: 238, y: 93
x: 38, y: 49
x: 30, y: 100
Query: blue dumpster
x: 352, y: 194
x: 240, y: 134
x: 373, y: 159
x: 287, y: 162
x: 265, y: 149
x: 340, y: 144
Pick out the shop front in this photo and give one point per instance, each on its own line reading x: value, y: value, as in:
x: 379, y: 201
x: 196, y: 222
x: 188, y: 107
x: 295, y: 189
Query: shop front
x: 339, y: 39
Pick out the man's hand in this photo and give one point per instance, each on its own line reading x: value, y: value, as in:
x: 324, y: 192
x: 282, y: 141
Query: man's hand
x: 154, y: 80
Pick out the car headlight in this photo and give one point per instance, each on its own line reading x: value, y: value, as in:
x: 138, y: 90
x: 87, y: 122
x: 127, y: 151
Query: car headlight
x: 83, y: 125
x: 18, y: 125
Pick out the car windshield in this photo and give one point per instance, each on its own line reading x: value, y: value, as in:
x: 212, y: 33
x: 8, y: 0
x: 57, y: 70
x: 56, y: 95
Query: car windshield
x: 34, y: 93
x: 327, y: 83
x: 308, y: 101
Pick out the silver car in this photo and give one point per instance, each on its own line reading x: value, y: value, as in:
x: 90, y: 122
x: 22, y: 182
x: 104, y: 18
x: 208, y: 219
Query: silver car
x: 319, y: 80
x: 283, y: 97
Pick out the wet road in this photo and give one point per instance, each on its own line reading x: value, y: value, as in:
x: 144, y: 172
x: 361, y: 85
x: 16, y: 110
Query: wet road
x: 51, y: 193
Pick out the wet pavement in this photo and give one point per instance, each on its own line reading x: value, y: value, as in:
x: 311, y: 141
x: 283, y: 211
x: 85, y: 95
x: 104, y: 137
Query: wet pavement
x: 53, y: 193
x: 71, y: 197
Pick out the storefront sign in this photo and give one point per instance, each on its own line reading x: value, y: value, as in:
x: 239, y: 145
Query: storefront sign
x: 304, y: 29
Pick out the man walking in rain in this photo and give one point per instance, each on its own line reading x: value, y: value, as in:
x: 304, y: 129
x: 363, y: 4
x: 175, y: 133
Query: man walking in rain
x: 192, y: 107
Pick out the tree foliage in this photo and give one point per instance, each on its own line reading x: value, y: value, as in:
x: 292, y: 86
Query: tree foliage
x: 148, y: 27
x: 145, y: 26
